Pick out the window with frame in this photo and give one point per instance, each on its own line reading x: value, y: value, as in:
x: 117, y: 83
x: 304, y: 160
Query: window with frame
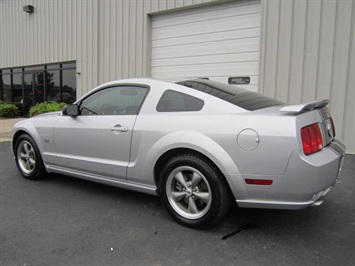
x: 174, y: 101
x: 119, y: 100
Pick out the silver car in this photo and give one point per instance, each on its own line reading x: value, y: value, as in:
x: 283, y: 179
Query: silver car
x: 198, y: 144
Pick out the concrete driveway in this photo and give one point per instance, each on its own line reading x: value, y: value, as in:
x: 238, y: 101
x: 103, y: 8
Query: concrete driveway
x: 5, y: 128
x: 66, y: 221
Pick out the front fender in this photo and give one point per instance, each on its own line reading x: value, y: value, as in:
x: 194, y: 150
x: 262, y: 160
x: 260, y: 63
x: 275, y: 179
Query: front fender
x: 27, y: 127
x: 40, y: 128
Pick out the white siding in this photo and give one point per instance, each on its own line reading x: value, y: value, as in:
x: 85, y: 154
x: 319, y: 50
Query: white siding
x: 218, y: 42
x: 307, y: 54
x: 108, y: 39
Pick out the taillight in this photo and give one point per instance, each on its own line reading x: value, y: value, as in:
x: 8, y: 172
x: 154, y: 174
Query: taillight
x: 311, y: 139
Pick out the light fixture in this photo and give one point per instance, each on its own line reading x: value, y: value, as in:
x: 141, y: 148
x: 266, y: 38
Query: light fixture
x: 28, y: 9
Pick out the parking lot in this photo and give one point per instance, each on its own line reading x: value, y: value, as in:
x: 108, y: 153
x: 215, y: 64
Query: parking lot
x: 66, y: 221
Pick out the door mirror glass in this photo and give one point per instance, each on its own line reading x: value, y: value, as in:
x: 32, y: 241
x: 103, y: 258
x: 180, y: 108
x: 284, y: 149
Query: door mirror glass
x: 71, y: 110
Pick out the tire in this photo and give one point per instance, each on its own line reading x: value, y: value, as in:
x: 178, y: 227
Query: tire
x: 28, y: 158
x: 194, y: 192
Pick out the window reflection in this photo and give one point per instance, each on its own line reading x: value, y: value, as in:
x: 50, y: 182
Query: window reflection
x: 53, y: 86
x: 17, y: 91
x: 28, y: 94
x: 53, y: 66
x: 6, y: 88
x: 69, y: 86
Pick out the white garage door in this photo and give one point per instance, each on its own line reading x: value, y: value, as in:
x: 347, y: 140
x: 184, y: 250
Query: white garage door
x: 217, y: 41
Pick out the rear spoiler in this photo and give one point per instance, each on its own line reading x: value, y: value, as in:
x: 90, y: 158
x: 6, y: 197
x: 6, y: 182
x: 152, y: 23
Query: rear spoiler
x: 305, y: 106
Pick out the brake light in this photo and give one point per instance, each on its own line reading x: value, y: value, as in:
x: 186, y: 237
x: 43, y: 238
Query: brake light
x: 312, y: 140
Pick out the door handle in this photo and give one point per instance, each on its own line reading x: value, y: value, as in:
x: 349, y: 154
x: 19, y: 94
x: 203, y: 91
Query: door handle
x: 119, y: 128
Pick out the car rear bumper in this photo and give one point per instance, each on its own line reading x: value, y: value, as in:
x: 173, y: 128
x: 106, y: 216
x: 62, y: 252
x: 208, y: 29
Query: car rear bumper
x: 305, y: 182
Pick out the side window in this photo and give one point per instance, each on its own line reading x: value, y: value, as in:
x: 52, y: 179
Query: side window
x: 120, y: 100
x: 173, y: 101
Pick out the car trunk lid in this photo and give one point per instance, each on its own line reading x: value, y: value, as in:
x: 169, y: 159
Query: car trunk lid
x: 321, y: 115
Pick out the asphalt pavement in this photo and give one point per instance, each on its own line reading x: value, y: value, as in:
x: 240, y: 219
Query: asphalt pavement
x: 66, y: 221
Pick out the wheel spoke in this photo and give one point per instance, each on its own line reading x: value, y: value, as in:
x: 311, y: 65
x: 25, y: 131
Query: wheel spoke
x: 196, y: 178
x: 178, y: 195
x: 26, y: 147
x: 32, y: 162
x: 23, y: 156
x: 203, y: 196
x: 28, y: 165
x: 192, y: 206
x: 180, y: 178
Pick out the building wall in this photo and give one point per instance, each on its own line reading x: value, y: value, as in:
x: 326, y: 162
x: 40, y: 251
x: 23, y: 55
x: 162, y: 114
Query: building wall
x: 108, y: 39
x: 307, y: 54
x: 307, y: 47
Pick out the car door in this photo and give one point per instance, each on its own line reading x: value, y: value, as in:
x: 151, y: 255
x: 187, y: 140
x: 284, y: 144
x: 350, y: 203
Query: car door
x: 98, y: 140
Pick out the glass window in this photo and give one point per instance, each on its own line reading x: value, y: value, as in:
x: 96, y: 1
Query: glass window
x: 28, y: 96
x: 17, y: 91
x: 69, y: 65
x: 53, y: 82
x: 53, y: 86
x: 33, y: 69
x: 69, y: 86
x: 17, y: 88
x: 17, y: 70
x: 53, y: 67
x: 173, y: 101
x: 238, y: 96
x: 123, y: 100
x: 6, y: 88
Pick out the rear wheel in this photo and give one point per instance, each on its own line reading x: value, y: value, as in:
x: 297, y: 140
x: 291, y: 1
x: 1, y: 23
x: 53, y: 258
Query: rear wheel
x: 193, y: 191
x: 28, y: 158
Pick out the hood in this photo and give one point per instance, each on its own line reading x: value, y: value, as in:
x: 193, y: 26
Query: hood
x: 57, y: 113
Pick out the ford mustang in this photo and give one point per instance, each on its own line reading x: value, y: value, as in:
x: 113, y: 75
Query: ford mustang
x: 198, y: 144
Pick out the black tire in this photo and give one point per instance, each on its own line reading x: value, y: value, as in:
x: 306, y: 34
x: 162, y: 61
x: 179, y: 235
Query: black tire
x: 193, y: 191
x: 28, y: 158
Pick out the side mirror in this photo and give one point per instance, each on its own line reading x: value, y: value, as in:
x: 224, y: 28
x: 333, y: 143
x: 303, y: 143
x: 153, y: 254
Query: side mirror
x: 71, y: 110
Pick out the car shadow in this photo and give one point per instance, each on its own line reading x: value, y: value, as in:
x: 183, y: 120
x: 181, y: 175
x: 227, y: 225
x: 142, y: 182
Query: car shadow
x: 238, y: 221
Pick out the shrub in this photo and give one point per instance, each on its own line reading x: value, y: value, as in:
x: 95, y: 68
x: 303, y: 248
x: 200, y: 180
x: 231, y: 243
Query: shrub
x: 8, y: 110
x: 45, y: 107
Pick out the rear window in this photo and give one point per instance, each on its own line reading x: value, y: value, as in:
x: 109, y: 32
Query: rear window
x: 243, y: 98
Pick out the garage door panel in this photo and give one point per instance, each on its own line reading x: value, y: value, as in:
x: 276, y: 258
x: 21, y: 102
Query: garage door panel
x: 215, y: 58
x: 250, y: 68
x: 198, y: 38
x: 210, y: 48
x: 192, y: 16
x: 208, y: 26
x: 218, y: 42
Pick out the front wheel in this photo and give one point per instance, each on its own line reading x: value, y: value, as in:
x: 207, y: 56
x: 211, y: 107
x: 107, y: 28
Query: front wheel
x: 194, y: 192
x: 28, y: 158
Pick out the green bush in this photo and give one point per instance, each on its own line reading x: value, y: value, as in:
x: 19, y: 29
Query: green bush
x: 8, y: 110
x: 45, y: 107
